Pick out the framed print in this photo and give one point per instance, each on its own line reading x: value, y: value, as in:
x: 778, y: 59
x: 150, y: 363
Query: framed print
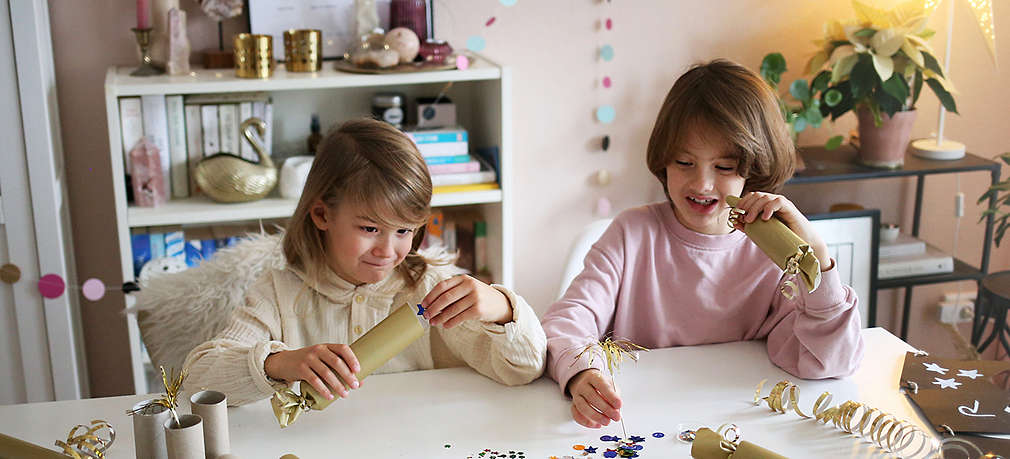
x: 852, y: 239
x: 335, y: 18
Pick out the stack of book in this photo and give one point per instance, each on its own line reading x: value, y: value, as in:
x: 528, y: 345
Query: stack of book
x: 453, y: 169
x: 190, y: 245
x: 908, y: 256
x: 187, y: 129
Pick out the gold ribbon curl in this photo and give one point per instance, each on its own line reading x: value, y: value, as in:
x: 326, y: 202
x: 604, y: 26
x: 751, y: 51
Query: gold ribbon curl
x: 613, y: 351
x: 884, y: 430
x: 172, y: 384
x: 88, y: 441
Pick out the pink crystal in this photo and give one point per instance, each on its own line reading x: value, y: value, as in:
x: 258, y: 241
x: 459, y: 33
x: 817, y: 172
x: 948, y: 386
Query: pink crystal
x: 178, y: 43
x: 146, y: 177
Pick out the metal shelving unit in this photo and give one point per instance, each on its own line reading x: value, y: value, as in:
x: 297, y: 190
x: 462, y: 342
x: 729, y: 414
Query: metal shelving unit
x: 824, y: 166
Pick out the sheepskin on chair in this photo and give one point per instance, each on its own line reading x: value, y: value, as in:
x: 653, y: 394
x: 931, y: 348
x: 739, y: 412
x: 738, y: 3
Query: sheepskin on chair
x: 179, y: 311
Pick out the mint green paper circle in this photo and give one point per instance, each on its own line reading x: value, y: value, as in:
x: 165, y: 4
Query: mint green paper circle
x: 605, y: 114
x: 508, y: 2
x: 475, y: 43
x: 607, y: 52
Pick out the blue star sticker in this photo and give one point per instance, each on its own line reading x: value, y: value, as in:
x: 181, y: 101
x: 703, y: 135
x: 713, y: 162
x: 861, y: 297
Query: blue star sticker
x: 420, y: 309
x: 590, y: 449
x: 636, y: 438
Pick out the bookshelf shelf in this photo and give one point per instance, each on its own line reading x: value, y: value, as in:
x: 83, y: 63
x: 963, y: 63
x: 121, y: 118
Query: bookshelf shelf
x: 824, y: 166
x: 200, y: 81
x: 482, y: 96
x: 201, y: 210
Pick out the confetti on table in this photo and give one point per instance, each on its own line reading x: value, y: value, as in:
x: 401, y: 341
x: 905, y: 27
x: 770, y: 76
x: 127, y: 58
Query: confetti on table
x: 658, y: 434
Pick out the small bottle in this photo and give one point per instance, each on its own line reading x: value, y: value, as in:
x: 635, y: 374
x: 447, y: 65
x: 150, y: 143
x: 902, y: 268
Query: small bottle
x: 314, y: 136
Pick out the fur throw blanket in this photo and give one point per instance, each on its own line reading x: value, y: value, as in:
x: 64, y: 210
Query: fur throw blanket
x: 178, y: 311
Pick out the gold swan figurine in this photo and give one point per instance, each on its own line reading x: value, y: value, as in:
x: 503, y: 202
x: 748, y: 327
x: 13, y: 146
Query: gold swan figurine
x: 226, y: 177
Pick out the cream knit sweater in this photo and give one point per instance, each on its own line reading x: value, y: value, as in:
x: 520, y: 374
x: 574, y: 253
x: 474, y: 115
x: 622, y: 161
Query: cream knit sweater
x: 285, y: 311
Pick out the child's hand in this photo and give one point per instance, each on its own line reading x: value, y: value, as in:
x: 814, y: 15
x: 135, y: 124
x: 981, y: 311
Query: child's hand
x: 460, y: 298
x: 314, y: 365
x: 594, y: 401
x: 757, y: 204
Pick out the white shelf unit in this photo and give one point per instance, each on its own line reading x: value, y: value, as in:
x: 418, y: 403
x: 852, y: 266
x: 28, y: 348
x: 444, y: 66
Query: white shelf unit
x: 482, y: 95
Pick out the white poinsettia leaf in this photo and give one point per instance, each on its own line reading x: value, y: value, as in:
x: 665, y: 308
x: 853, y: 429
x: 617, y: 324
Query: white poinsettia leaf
x: 884, y: 66
x: 843, y: 68
x: 886, y: 42
x: 912, y: 52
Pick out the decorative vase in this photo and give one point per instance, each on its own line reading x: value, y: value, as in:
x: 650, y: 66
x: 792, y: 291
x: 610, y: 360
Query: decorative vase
x: 884, y: 146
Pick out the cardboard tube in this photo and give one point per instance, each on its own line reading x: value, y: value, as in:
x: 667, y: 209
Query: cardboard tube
x: 185, y: 441
x: 14, y: 447
x: 781, y: 244
x: 384, y: 341
x: 149, y: 430
x: 706, y: 445
x: 212, y: 406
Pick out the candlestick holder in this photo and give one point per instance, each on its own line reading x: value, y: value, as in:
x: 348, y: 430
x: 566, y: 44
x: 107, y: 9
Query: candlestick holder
x: 147, y: 66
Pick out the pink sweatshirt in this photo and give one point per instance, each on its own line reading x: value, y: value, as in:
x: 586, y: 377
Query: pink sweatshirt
x: 659, y: 284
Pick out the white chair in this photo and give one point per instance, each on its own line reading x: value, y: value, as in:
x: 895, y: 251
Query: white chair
x: 580, y: 247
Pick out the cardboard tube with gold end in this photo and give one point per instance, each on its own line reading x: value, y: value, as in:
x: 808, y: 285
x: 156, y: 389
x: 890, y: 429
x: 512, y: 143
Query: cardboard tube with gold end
x: 789, y: 252
x: 383, y: 342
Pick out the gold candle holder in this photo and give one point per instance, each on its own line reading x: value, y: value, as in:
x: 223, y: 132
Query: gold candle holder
x: 147, y: 66
x: 303, y: 50
x: 254, y: 55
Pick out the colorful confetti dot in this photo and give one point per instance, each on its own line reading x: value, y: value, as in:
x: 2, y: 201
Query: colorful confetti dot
x: 475, y: 43
x: 508, y: 2
x: 448, y: 446
x: 658, y: 434
x: 93, y: 289
x: 607, y: 52
x: 606, y: 82
x: 489, y: 22
x: 610, y: 453
x: 609, y: 24
x: 51, y: 286
x: 605, y: 114
x: 579, y: 447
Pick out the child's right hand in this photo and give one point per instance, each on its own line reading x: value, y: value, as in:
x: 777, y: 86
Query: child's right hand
x: 314, y: 365
x: 595, y: 402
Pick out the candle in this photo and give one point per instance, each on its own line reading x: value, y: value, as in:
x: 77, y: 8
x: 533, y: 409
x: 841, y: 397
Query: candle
x: 143, y: 14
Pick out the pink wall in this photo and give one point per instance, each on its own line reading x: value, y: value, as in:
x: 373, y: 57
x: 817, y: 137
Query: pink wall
x: 551, y: 47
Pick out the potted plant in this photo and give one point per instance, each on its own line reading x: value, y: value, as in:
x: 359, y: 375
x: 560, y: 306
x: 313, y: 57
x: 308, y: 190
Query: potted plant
x: 805, y: 113
x: 877, y: 66
x: 1002, y: 221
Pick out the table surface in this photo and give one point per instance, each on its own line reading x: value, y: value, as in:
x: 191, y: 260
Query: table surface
x: 456, y: 413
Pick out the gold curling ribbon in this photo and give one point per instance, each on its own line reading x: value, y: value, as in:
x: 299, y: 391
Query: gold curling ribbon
x: 87, y: 441
x: 172, y: 384
x: 884, y: 430
x: 613, y: 351
x: 789, y: 252
x: 373, y: 349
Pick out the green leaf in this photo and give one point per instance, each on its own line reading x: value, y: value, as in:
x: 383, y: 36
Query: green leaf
x: 1005, y: 157
x: 887, y: 103
x: 843, y: 67
x: 848, y: 101
x: 833, y: 142
x: 800, y: 124
x: 865, y: 33
x: 813, y: 116
x: 897, y: 88
x: 772, y: 67
x: 931, y: 63
x: 863, y: 77
x: 800, y: 91
x: 945, y: 98
x: 917, y: 87
x: 820, y: 82
x: 832, y: 97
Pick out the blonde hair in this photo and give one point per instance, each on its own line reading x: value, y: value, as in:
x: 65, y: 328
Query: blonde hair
x: 375, y: 166
x: 735, y: 104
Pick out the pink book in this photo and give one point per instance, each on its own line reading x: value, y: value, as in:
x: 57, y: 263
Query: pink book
x: 454, y: 168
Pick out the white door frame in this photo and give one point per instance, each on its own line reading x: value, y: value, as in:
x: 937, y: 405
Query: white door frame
x: 37, y: 222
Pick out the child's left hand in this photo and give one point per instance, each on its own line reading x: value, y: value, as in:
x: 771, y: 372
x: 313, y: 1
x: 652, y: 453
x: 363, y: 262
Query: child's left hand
x: 460, y: 298
x: 758, y: 204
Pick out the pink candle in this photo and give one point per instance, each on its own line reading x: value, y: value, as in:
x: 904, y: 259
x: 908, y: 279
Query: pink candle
x: 143, y: 14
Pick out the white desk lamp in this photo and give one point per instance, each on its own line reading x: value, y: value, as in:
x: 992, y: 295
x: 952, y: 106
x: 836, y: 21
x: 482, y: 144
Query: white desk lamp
x: 938, y: 147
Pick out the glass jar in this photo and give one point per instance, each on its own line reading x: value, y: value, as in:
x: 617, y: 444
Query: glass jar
x: 388, y: 107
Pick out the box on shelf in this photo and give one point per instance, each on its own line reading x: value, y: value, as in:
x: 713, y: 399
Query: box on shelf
x: 903, y: 245
x: 932, y: 261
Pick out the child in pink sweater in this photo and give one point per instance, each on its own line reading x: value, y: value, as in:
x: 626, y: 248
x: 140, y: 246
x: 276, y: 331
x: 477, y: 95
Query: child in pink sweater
x: 676, y: 273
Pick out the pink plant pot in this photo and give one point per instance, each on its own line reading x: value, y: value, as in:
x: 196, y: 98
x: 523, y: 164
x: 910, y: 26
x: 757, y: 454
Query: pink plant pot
x: 884, y: 146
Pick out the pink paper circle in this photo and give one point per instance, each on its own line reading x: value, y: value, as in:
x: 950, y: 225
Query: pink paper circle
x: 462, y: 62
x: 606, y: 82
x: 93, y: 289
x: 51, y: 286
x: 609, y: 23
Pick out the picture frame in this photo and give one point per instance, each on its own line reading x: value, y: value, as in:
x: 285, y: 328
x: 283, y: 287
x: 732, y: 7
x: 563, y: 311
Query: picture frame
x: 853, y: 239
x: 335, y: 18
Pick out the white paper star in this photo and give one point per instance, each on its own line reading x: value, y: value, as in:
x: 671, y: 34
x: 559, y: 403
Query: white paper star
x: 1007, y: 409
x: 969, y: 373
x: 936, y: 368
x: 945, y: 383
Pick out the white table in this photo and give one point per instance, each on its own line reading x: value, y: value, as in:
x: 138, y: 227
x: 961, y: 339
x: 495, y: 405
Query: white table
x: 417, y: 414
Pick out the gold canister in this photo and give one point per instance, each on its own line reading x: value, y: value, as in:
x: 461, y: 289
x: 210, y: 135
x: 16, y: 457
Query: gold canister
x: 303, y: 50
x: 254, y: 55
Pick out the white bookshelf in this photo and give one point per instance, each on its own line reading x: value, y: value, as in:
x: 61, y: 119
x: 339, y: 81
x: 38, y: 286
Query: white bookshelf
x: 482, y: 95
